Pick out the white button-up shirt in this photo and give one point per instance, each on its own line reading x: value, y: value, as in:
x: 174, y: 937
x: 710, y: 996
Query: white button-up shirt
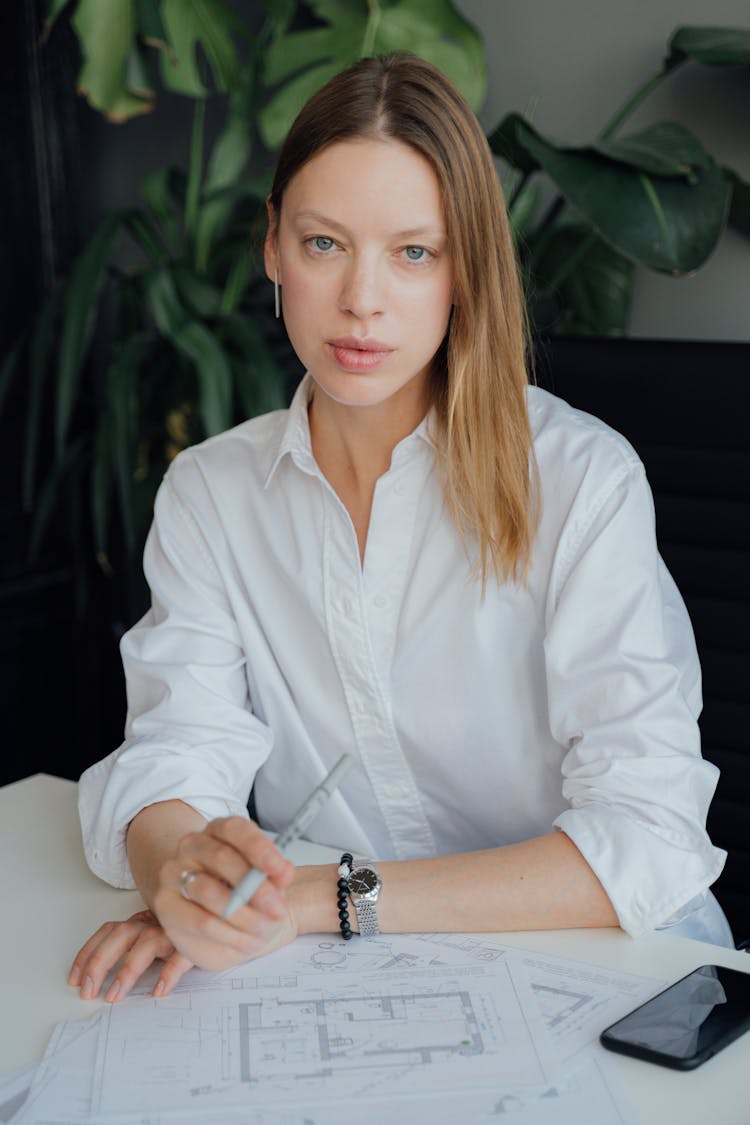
x: 269, y: 651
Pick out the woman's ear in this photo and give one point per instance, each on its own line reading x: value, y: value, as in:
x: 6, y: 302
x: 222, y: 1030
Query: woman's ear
x: 270, y: 246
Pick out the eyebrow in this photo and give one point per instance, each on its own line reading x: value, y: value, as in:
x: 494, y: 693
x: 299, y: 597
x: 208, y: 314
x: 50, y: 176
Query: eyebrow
x: 411, y: 232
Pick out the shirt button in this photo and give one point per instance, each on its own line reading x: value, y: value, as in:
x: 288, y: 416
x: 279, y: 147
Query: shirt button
x: 380, y: 600
x: 398, y: 489
x: 394, y: 792
x: 346, y: 605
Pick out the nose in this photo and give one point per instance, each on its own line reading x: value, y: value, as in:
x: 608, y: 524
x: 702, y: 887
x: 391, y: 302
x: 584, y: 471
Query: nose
x: 362, y: 290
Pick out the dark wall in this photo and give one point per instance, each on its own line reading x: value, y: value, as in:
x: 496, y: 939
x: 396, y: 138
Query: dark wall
x: 57, y: 699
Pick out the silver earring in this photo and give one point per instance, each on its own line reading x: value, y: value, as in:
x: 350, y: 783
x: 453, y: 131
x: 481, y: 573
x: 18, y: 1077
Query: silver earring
x: 276, y: 294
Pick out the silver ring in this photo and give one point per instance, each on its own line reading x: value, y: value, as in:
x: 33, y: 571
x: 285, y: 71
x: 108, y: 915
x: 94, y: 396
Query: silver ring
x: 186, y: 878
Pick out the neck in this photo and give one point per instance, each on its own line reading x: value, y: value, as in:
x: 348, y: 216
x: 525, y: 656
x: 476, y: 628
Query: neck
x: 354, y: 444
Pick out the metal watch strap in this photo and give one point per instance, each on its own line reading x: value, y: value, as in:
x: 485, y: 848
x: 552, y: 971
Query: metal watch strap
x: 367, y: 918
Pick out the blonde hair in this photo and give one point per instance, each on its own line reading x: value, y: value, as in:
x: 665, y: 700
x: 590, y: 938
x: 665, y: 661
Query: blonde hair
x: 479, y: 382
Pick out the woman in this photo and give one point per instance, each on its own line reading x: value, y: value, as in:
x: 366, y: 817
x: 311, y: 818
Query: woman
x: 424, y: 562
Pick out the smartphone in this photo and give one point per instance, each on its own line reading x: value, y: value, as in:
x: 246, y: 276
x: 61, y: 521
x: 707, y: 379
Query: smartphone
x: 688, y: 1022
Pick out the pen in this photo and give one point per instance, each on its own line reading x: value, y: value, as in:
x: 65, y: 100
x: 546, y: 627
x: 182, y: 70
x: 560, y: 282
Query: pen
x: 254, y: 879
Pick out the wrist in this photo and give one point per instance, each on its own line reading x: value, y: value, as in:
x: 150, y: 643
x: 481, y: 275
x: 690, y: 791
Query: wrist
x: 312, y: 899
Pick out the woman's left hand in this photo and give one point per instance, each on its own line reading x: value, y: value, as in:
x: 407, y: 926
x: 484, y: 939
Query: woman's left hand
x: 135, y: 944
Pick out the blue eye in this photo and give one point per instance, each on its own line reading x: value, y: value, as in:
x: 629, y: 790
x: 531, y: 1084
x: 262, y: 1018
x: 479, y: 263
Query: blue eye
x: 322, y: 243
x: 415, y: 253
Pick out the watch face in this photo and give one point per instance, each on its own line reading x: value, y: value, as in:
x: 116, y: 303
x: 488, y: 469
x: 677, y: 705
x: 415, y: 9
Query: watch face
x: 363, y: 881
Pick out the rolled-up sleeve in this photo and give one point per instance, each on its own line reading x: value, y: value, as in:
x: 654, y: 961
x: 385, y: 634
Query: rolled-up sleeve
x: 623, y: 686
x: 190, y: 733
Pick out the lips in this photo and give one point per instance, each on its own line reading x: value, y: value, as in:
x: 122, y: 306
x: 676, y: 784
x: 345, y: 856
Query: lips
x: 354, y: 353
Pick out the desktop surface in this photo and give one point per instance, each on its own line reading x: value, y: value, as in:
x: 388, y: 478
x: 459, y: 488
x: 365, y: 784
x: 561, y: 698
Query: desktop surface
x: 52, y: 903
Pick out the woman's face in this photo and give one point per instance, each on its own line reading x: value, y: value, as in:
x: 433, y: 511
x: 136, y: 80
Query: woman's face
x: 361, y: 252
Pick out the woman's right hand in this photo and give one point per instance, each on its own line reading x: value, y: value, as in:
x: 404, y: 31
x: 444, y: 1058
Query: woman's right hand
x: 185, y: 926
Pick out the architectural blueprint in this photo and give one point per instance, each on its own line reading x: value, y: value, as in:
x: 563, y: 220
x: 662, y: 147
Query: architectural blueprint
x: 460, y: 1029
x: 314, y: 1035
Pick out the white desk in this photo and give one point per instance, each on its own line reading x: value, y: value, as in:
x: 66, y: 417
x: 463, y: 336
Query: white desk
x: 51, y: 903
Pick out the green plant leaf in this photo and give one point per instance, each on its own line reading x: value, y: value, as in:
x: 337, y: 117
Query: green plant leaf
x: 438, y: 32
x: 79, y: 312
x: 142, y: 231
x: 668, y: 224
x: 592, y: 284
x: 522, y: 209
x: 194, y: 341
x: 150, y: 24
x: 666, y: 149
x: 191, y: 22
x: 54, y: 8
x: 434, y: 29
x: 279, y: 14
x: 195, y: 168
x: 51, y: 491
x: 163, y: 302
x: 106, y: 31
x: 506, y: 141
x: 300, y: 49
x: 214, y: 376
x: 137, y: 76
x: 275, y: 119
x: 713, y: 46
x: 739, y: 211
x: 163, y: 192
x: 237, y: 283
x: 199, y: 296
x: 258, y: 377
x: 228, y: 160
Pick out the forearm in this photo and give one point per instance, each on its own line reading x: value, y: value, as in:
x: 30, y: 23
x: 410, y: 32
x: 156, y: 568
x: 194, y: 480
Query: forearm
x: 539, y: 884
x: 153, y: 836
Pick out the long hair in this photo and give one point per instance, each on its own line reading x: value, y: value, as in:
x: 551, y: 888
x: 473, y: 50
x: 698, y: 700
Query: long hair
x: 479, y: 378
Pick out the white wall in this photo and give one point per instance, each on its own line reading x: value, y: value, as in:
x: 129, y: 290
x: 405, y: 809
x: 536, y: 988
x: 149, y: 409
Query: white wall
x: 570, y: 63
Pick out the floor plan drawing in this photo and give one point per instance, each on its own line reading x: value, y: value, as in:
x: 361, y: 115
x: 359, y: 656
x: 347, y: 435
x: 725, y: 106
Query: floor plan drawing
x: 360, y: 1031
x: 317, y: 1035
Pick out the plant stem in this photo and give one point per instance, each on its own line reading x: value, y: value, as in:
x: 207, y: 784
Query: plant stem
x: 195, y: 170
x: 371, y: 30
x: 635, y: 100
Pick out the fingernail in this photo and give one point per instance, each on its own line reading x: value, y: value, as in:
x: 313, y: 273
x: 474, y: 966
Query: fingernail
x: 74, y: 976
x: 159, y: 988
x: 87, y: 988
x: 112, y: 992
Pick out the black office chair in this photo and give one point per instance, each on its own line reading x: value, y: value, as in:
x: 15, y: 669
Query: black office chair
x: 686, y: 409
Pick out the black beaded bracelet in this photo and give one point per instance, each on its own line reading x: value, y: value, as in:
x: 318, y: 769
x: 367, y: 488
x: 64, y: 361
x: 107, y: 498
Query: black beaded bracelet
x: 342, y: 894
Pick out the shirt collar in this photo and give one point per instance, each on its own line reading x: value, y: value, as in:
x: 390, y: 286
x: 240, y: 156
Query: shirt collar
x: 296, y: 443
x: 295, y: 436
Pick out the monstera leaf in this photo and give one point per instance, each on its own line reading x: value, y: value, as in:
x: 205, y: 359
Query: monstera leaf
x: 712, y: 46
x: 657, y: 197
x: 114, y: 35
x: 580, y: 284
x: 300, y: 62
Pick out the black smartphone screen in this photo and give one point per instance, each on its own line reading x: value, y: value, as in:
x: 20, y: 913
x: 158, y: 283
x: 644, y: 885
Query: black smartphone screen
x: 688, y: 1022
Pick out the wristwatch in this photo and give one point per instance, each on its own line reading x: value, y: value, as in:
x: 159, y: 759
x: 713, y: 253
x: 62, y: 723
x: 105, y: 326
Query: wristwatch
x: 364, y: 889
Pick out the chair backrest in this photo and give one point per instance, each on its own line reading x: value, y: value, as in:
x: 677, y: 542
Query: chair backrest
x: 686, y: 408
